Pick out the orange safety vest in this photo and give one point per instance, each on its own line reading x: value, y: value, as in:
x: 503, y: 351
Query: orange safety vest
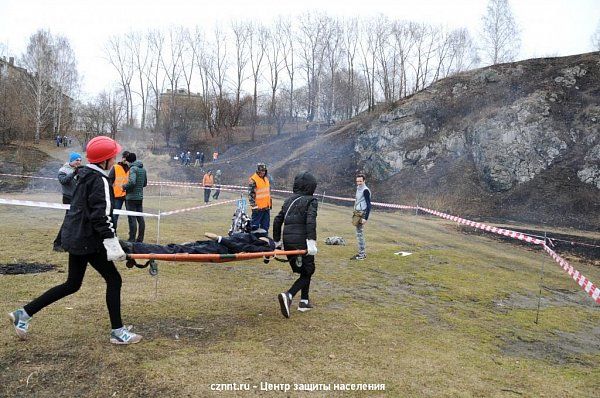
x: 263, y: 191
x: 121, y: 178
x: 208, y: 181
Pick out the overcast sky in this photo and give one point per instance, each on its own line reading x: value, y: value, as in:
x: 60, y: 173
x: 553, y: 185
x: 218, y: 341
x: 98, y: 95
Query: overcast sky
x: 549, y: 27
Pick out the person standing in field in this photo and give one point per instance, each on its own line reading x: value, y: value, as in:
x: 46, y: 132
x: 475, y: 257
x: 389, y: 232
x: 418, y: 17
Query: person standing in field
x: 259, y: 195
x: 362, y: 208
x: 67, y: 176
x: 134, y: 199
x: 207, y: 182
x: 119, y: 175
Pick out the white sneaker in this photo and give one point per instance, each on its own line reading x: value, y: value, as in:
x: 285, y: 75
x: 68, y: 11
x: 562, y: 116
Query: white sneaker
x: 124, y: 336
x: 285, y: 302
x: 21, y: 326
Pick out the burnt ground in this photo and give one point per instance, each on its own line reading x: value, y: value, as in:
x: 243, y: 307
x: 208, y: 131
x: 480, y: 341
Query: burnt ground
x: 585, y: 249
x: 25, y: 268
x: 27, y: 160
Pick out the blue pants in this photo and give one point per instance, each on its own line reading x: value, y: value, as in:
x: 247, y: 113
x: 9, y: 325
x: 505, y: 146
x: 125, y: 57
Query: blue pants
x: 260, y: 219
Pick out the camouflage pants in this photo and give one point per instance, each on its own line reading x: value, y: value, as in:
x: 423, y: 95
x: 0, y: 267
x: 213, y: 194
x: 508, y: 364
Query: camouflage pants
x: 360, y: 238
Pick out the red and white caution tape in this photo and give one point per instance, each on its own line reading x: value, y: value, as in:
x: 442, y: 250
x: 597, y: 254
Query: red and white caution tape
x: 49, y: 205
x: 168, y: 213
x: 585, y: 283
x: 488, y: 228
x: 26, y: 176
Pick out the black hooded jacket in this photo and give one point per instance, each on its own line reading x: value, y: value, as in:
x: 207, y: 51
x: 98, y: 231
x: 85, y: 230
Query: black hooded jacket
x: 301, y: 219
x: 88, y: 222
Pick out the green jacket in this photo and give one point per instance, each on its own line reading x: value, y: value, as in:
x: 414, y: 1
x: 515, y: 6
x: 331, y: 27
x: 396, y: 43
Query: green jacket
x: 137, y: 181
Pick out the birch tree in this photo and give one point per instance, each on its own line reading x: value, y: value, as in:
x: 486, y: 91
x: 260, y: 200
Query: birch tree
x: 500, y: 38
x: 40, y: 63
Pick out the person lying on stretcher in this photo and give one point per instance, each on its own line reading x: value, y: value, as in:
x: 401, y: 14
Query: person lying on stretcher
x: 242, y: 242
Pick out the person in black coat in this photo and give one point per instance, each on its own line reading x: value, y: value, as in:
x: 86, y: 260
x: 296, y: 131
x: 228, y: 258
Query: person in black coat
x: 89, y: 237
x: 298, y: 220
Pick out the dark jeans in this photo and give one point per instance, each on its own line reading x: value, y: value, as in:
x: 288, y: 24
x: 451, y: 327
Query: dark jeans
x: 260, y: 219
x: 136, y: 223
x: 77, y: 267
x: 306, y: 269
x: 118, y: 205
x: 58, y: 241
x: 217, y: 192
x: 206, y: 195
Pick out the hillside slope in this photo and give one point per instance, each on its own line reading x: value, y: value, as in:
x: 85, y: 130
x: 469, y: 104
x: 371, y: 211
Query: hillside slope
x: 514, y: 141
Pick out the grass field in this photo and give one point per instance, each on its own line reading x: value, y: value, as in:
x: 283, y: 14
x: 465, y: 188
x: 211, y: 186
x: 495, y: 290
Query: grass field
x: 455, y: 318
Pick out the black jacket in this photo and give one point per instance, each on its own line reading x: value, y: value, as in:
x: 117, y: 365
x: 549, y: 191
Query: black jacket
x: 301, y: 220
x: 88, y: 222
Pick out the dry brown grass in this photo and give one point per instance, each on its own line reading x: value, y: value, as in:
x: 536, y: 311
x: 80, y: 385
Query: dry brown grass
x: 456, y: 318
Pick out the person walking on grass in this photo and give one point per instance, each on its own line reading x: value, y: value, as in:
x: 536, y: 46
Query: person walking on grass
x: 362, y: 208
x: 134, y: 199
x: 259, y: 195
x: 217, y: 180
x: 207, y: 182
x: 298, y: 220
x: 89, y: 237
x: 118, y: 176
x: 67, y: 176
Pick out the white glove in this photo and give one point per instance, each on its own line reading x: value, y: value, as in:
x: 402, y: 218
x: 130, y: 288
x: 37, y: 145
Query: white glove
x: 311, y: 246
x: 279, y: 245
x: 114, y: 252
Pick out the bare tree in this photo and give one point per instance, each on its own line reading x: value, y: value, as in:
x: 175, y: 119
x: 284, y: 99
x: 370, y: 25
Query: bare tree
x: 368, y: 50
x: 350, y: 45
x: 39, y: 62
x: 501, y: 38
x: 64, y: 83
x: 156, y: 80
x: 140, y: 53
x: 313, y: 30
x: 216, y: 67
x: 333, y: 56
x: 276, y: 62
x: 257, y: 43
x: 121, y: 59
x: 172, y: 68
x: 596, y: 38
x: 112, y: 109
x: 241, y: 33
x: 284, y: 26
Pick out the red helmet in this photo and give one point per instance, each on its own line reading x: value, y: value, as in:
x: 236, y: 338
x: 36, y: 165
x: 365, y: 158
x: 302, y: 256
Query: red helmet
x: 101, y: 148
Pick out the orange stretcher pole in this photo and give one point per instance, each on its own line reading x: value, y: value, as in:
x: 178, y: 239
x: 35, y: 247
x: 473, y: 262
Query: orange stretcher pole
x: 213, y: 258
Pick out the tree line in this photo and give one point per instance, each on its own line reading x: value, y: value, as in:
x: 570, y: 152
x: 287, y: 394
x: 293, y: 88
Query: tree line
x: 316, y: 67
x: 184, y: 81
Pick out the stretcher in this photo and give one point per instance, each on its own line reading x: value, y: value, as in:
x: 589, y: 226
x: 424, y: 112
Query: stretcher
x: 202, y: 258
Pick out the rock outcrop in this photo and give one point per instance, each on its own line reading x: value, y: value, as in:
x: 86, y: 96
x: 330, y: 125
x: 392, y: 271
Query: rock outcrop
x: 518, y: 141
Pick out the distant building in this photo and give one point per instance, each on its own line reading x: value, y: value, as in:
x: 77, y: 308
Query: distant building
x: 20, y: 77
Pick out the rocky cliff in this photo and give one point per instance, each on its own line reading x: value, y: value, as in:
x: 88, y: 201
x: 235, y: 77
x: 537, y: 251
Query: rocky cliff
x: 514, y: 141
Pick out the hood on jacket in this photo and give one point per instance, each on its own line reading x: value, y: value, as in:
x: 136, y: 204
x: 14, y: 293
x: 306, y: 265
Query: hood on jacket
x: 305, y: 183
x: 137, y: 163
x: 87, y: 170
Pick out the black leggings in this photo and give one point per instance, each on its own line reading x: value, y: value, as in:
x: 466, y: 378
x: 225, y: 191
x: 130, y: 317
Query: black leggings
x: 306, y: 270
x: 77, y: 267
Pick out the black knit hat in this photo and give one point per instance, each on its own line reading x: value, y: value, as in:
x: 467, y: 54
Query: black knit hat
x: 131, y: 157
